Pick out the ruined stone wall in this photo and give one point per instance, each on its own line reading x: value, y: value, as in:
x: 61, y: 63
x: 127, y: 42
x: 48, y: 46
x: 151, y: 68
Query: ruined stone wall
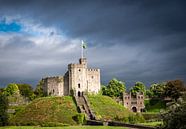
x: 140, y: 102
x: 54, y: 86
x: 134, y: 102
x: 127, y: 100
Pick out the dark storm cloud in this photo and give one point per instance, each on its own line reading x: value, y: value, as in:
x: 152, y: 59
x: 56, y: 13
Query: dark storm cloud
x: 132, y: 40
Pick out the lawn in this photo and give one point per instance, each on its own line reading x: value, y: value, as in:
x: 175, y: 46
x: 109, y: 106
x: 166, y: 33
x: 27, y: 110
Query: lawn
x: 47, y: 109
x: 69, y: 127
x: 106, y: 108
x: 156, y: 123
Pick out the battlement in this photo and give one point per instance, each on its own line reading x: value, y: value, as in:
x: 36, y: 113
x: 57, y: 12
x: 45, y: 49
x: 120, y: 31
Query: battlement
x: 53, y: 77
x: 96, y: 70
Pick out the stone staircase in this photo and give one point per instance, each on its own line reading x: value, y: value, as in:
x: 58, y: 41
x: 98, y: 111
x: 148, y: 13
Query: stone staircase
x: 84, y: 107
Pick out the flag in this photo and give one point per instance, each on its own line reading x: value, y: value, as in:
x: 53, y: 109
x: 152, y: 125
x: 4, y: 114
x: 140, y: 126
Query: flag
x: 84, y: 45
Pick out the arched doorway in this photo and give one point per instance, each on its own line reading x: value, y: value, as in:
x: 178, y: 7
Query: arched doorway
x: 79, y: 94
x: 134, y: 109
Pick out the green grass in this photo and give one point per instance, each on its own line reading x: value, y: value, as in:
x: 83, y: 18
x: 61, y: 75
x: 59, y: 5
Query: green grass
x: 47, y: 109
x: 154, y: 124
x: 106, y: 108
x: 70, y: 127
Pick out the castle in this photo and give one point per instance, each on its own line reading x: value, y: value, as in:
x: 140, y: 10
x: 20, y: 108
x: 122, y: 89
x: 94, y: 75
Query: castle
x: 77, y: 80
x: 134, y: 103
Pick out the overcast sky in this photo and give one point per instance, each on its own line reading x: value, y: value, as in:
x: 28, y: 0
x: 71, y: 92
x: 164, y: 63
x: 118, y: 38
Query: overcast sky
x: 132, y: 40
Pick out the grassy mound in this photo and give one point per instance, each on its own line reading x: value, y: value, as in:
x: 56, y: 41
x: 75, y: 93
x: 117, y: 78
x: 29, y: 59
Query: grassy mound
x: 106, y: 108
x: 47, y: 110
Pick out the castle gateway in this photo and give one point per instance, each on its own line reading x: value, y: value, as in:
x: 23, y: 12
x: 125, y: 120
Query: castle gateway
x: 77, y: 80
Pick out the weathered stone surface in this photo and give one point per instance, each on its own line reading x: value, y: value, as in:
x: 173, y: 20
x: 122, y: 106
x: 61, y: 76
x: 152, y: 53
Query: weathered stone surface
x: 134, y: 103
x: 78, y: 79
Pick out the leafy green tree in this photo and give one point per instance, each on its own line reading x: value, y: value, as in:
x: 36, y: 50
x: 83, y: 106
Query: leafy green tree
x: 149, y: 93
x: 115, y: 88
x: 174, y: 89
x: 39, y: 89
x: 138, y: 87
x: 3, y: 110
x: 11, y: 89
x: 2, y: 90
x: 175, y: 116
x: 26, y: 90
x: 157, y: 89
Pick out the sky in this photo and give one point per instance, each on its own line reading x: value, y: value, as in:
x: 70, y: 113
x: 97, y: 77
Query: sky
x: 131, y: 40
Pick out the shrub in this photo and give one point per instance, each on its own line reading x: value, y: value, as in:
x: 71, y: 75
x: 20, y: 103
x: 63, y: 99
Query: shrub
x: 52, y: 124
x: 132, y: 119
x: 140, y: 118
x: 80, y: 118
x: 126, y: 119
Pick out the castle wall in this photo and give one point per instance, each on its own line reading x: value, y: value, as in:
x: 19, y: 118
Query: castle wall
x: 54, y: 86
x: 66, y: 84
x: 78, y: 78
x: 93, y: 80
x: 134, y: 102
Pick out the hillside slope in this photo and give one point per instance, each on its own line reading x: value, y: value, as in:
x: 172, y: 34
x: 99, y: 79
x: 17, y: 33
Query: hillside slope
x: 47, y: 109
x: 106, y: 108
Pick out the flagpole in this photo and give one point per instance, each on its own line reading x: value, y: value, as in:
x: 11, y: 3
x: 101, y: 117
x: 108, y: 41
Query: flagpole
x: 82, y: 49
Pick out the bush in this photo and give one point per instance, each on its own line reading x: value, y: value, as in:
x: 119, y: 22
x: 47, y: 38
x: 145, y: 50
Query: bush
x: 53, y: 124
x: 132, y: 119
x: 126, y: 119
x: 80, y: 118
x: 140, y: 118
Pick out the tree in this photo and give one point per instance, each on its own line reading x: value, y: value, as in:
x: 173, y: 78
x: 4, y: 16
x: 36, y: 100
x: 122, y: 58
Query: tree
x: 2, y: 90
x: 174, y: 89
x: 39, y: 89
x: 138, y: 87
x: 157, y: 89
x: 3, y: 110
x: 11, y: 89
x: 115, y: 88
x: 26, y: 91
x: 175, y: 116
x: 149, y: 93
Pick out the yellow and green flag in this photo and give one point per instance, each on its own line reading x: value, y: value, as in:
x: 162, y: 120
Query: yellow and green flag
x: 84, y: 45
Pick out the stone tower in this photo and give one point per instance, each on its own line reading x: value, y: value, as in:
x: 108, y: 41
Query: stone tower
x: 134, y: 103
x: 77, y: 80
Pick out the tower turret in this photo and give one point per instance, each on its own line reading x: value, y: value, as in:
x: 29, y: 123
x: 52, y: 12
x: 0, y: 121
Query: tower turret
x: 83, y: 61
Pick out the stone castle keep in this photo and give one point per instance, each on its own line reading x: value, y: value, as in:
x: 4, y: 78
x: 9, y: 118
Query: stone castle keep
x: 77, y: 80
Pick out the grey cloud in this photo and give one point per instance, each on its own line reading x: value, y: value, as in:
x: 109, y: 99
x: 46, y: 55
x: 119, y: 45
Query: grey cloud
x: 132, y: 40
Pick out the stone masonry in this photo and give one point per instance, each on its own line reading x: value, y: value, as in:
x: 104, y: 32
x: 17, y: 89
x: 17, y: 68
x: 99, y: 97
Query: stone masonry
x: 134, y: 103
x: 77, y: 80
